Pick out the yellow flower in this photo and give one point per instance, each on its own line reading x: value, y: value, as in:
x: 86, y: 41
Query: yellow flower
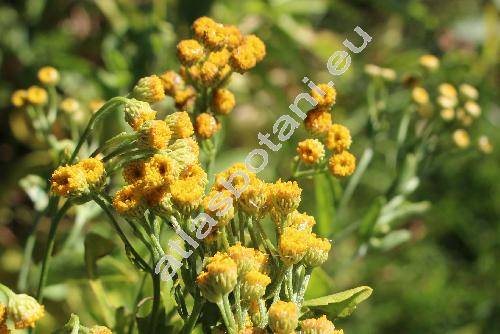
x: 69, y: 181
x: 160, y: 170
x: 300, y: 221
x: 447, y: 114
x: 209, y: 73
x: 473, y: 109
x: 190, y: 51
x: 186, y: 195
x: 327, y: 98
x: 430, y: 62
x: 469, y: 91
x: 48, y: 75
x: 209, y: 32
x: 318, y: 121
x: 224, y: 211
x: 253, y: 199
x: 258, y: 47
x: 234, y: 172
x: 448, y: 90
x: 128, y: 201
x: 37, y: 95
x: 388, y: 74
x: 243, y: 58
x: 195, y: 173
x: 293, y: 245
x: 232, y: 36
x: 223, y: 101
x: 317, y: 251
x: 172, y: 82
x: 317, y: 326
x: 180, y: 125
x: 219, y: 279
x: 159, y: 200
x: 310, y: 151
x: 248, y: 259
x: 338, y: 138
x: 420, y: 95
x: 100, y: 330
x: 184, y: 98
x: 94, y: 171
x: 461, y: 138
x: 69, y: 105
x: 134, y: 171
x: 342, y: 164
x: 283, y: 317
x: 447, y: 102
x: 254, y: 285
x: 154, y: 134
x: 285, y: 196
x: 149, y: 89
x: 206, y: 125
x: 485, y: 145
x: 138, y: 112
x: 19, y: 98
x: 24, y: 310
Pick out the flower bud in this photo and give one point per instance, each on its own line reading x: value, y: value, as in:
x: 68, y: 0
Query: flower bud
x: 185, y: 151
x: 317, y: 251
x: 149, y: 89
x: 138, y: 112
x: 485, y: 145
x: 257, y: 46
x: 206, y: 125
x: 461, y: 138
x: 180, y: 125
x: 469, y: 91
x: 254, y: 285
x: 69, y: 105
x: 300, y: 221
x: 48, y: 75
x: 293, y: 245
x: 37, y: 95
x: 154, y: 134
x: 283, y: 317
x: 285, y: 196
x: 172, y: 82
x: 219, y: 278
x: 94, y: 171
x: 342, y: 164
x: 430, y: 62
x: 19, y: 98
x: 247, y: 259
x: 220, y: 209
x: 190, y: 51
x: 338, y: 138
x: 186, y: 195
x: 24, y: 310
x: 326, y: 98
x: 317, y: 326
x: 318, y: 121
x: 448, y: 90
x: 243, y: 58
x: 420, y: 95
x: 185, y: 98
x: 253, y: 199
x: 311, y: 151
x: 223, y: 101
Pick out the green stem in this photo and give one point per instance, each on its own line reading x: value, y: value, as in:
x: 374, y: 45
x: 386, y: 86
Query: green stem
x: 237, y: 302
x: 225, y: 319
x: 193, y: 317
x: 227, y: 306
x: 276, y: 283
x: 50, y: 247
x: 304, y: 285
x: 289, y: 284
x: 156, y: 303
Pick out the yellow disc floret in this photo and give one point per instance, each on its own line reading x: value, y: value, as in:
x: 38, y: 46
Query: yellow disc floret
x: 338, y: 138
x: 283, y: 317
x: 342, y: 164
x: 48, y: 75
x: 149, y: 89
x: 206, y: 125
x: 310, y: 151
x: 318, y: 121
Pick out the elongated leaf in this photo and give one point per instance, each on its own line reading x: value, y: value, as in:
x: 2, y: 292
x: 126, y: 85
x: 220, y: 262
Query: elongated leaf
x: 340, y: 304
x: 370, y: 218
x: 391, y: 240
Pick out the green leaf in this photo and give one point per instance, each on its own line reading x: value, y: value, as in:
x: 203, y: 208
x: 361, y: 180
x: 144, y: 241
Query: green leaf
x: 371, y: 218
x: 391, y: 240
x: 325, y: 209
x: 96, y: 247
x: 340, y: 304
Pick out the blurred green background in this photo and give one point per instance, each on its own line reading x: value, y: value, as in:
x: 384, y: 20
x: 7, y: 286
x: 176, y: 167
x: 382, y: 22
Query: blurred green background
x: 446, y: 279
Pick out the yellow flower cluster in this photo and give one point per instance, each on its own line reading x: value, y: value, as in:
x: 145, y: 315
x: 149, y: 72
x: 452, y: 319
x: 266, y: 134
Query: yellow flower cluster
x: 458, y: 107
x: 36, y: 95
x: 160, y: 182
x: 318, y: 326
x: 80, y: 179
x: 336, y: 137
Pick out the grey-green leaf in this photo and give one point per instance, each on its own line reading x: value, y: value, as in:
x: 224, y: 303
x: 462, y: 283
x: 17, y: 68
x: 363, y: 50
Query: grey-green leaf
x: 340, y: 304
